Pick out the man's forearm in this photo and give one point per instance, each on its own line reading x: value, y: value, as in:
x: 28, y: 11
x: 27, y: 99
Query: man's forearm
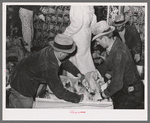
x: 70, y: 67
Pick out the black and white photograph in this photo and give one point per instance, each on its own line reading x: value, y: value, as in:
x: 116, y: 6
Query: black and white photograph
x: 85, y: 60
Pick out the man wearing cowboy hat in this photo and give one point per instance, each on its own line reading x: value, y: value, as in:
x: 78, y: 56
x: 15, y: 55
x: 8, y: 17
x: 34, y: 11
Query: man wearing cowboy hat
x: 129, y: 35
x: 43, y: 67
x: 125, y: 88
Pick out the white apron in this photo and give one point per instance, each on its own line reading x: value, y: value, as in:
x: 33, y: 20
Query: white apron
x: 82, y: 19
x: 26, y: 17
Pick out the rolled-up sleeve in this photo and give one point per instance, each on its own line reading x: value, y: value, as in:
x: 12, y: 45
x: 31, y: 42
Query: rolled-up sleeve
x: 76, y: 18
x: 119, y: 62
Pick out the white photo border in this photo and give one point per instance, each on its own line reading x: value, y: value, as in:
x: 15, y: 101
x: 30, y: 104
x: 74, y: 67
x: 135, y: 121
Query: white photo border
x: 64, y: 114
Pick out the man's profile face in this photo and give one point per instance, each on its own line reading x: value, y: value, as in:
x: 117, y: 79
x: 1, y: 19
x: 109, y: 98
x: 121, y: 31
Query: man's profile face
x: 62, y: 56
x: 102, y: 42
x: 120, y: 28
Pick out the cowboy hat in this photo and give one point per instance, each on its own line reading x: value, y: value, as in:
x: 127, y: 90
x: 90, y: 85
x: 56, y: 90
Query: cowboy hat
x: 120, y: 20
x: 102, y: 28
x: 63, y: 43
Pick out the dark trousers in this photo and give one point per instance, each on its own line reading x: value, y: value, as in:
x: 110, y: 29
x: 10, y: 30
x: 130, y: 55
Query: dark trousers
x: 129, y: 100
x: 17, y: 100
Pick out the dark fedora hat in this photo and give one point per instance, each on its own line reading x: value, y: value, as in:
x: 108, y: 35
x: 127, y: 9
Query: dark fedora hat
x: 120, y: 20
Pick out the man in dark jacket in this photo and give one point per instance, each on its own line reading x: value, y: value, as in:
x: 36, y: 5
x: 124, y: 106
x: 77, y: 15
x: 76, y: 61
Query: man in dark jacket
x: 126, y: 89
x: 43, y: 67
x: 129, y: 35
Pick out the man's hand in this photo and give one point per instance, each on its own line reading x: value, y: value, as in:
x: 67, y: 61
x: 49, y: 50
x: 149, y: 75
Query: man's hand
x: 104, y: 55
x: 137, y: 57
x: 96, y: 54
x: 103, y: 95
x: 86, y: 97
x: 42, y: 17
x: 81, y: 77
x: 85, y: 84
x: 140, y: 69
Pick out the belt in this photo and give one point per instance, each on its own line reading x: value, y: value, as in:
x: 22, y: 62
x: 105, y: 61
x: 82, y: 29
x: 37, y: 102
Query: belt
x: 133, y: 88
